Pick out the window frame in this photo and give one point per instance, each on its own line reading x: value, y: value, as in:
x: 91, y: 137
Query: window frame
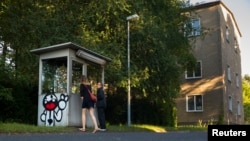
x: 236, y: 45
x: 227, y: 33
x: 194, y: 72
x: 230, y: 103
x: 54, y: 75
x: 229, y: 78
x: 193, y: 99
x: 238, y: 108
x: 237, y: 80
x: 195, y: 26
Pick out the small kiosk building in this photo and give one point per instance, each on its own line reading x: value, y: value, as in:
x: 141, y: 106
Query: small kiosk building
x: 60, y: 69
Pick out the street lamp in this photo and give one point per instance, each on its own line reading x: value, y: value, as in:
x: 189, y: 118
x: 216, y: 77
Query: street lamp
x: 129, y: 18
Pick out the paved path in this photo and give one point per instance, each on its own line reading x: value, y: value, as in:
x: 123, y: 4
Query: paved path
x: 108, y: 136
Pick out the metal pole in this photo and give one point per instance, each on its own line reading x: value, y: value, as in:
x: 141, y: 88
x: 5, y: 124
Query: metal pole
x: 132, y: 17
x: 129, y: 105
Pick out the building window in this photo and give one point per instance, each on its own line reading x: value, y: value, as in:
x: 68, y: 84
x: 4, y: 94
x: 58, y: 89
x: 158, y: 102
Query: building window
x: 194, y: 72
x: 227, y: 33
x: 230, y: 104
x: 192, y: 28
x: 228, y: 73
x: 236, y: 45
x: 194, y: 103
x: 238, y: 108
x: 237, y: 80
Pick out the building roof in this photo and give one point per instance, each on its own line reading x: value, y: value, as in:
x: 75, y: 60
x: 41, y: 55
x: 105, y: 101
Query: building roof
x: 70, y: 45
x: 214, y: 3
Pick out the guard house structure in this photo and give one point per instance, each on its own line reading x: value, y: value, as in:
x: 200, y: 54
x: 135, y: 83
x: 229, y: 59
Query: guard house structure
x: 60, y: 70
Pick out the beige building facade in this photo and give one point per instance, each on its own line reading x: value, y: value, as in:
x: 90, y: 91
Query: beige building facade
x: 212, y: 92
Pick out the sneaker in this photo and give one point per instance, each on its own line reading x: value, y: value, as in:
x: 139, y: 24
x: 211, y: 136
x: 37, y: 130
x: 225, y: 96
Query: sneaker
x: 103, y: 130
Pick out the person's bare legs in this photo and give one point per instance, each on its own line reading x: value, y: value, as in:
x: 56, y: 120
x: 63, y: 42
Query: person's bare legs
x: 91, y: 113
x: 83, y: 119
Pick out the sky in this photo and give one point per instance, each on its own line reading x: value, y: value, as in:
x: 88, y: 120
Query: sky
x: 240, y: 10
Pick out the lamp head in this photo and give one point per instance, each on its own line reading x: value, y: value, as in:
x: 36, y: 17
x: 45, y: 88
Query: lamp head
x: 133, y: 17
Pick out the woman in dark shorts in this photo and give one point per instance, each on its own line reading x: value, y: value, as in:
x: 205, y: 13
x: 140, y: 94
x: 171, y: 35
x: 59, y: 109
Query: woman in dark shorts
x: 87, y: 104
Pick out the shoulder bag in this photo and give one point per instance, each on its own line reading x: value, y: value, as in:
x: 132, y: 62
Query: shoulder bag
x: 92, y: 96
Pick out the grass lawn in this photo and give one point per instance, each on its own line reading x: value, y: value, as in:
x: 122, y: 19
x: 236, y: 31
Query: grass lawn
x: 25, y: 128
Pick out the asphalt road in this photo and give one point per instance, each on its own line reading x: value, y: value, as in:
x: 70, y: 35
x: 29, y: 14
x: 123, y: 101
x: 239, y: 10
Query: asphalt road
x: 108, y: 136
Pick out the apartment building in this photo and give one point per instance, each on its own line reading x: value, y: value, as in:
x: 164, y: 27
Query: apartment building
x: 212, y: 92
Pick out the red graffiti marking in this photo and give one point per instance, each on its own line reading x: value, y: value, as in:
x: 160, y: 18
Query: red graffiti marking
x: 50, y: 105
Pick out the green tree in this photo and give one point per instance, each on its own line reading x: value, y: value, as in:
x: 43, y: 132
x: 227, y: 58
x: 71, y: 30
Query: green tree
x: 27, y: 25
x: 159, y: 50
x: 246, y: 97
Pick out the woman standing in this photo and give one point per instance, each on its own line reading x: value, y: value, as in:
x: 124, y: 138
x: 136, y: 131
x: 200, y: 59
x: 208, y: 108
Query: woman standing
x: 101, y: 105
x: 87, y: 104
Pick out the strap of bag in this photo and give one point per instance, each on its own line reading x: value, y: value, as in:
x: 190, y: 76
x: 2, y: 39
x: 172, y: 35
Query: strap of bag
x: 88, y: 90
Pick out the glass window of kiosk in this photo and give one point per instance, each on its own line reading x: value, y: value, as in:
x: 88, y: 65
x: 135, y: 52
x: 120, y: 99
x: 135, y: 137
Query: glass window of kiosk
x: 77, y: 70
x: 54, y: 75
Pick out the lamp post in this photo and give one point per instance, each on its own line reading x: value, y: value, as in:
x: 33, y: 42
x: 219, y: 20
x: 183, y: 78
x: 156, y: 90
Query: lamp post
x: 129, y: 18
